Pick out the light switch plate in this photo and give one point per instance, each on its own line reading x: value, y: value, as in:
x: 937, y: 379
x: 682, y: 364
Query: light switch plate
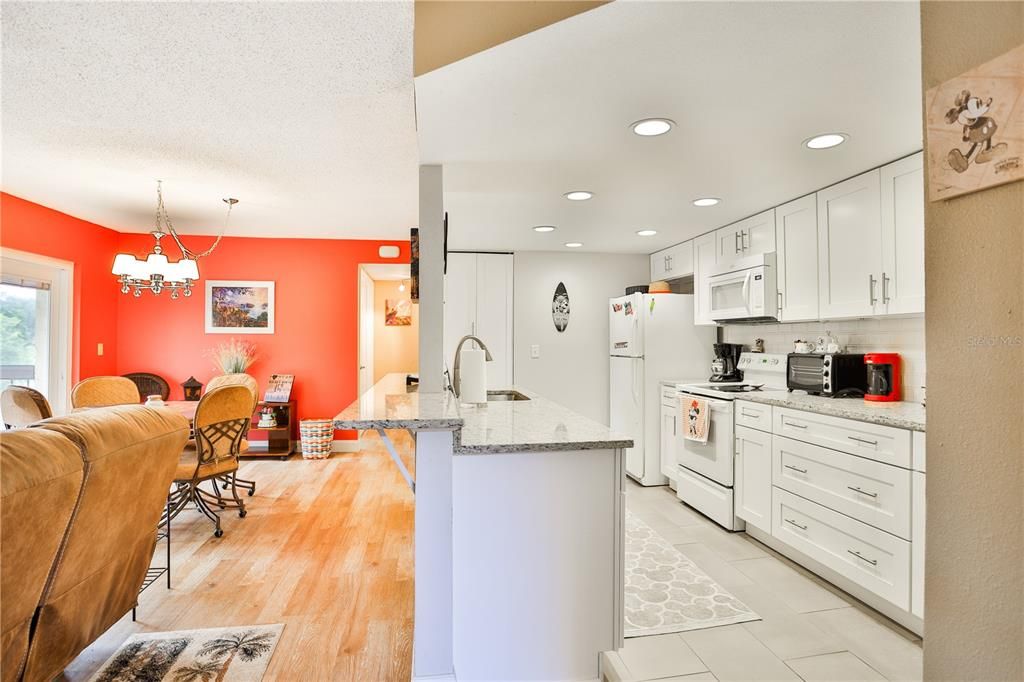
x: 534, y: 351
x: 99, y: 349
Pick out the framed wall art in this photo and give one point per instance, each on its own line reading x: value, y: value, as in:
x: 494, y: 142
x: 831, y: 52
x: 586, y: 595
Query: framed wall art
x: 239, y: 307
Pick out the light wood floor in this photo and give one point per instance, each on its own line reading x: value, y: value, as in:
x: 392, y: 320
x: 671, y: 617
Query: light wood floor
x: 326, y: 549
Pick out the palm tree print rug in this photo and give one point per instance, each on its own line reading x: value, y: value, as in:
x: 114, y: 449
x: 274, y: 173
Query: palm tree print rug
x: 238, y: 654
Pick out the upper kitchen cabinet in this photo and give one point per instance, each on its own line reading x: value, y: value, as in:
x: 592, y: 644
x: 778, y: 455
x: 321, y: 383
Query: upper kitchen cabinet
x: 850, y: 248
x: 796, y: 249
x: 704, y: 260
x: 673, y: 262
x: 478, y: 301
x: 749, y: 237
x: 902, y: 286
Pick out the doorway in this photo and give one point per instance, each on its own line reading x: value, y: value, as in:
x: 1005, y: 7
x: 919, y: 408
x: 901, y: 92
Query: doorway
x: 388, y: 323
x: 35, y: 314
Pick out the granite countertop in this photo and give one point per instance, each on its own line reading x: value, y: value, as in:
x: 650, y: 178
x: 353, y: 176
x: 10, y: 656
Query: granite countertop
x: 535, y: 425
x: 903, y: 415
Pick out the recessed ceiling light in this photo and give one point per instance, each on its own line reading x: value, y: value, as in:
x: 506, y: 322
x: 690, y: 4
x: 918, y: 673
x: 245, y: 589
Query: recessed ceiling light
x: 578, y: 195
x: 544, y: 228
x: 825, y: 141
x: 574, y: 245
x: 706, y: 201
x: 651, y: 127
x: 647, y: 233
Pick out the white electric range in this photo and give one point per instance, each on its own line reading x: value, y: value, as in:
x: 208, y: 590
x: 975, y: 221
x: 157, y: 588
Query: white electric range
x: 706, y: 470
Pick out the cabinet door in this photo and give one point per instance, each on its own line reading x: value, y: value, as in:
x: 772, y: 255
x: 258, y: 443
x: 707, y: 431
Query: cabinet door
x: 459, y: 302
x: 659, y: 262
x: 704, y: 259
x: 753, y: 481
x: 757, y: 233
x: 796, y: 249
x: 669, y: 433
x: 728, y: 246
x: 850, y: 248
x: 917, y: 545
x: 902, y: 287
x: 680, y: 260
x: 494, y: 314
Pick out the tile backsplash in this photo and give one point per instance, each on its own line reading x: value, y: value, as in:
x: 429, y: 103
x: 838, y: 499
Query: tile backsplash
x: 904, y: 335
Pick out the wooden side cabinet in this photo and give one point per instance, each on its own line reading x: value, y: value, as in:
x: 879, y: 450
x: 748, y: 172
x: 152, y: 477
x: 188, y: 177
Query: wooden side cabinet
x: 281, y: 438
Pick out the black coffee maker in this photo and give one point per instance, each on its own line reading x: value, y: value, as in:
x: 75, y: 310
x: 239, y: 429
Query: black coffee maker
x: 724, y: 366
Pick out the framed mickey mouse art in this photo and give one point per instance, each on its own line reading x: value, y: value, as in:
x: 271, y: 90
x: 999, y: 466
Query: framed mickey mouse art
x: 975, y: 128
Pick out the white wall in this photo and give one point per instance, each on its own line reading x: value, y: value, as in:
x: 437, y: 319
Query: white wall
x: 573, y: 366
x: 882, y: 335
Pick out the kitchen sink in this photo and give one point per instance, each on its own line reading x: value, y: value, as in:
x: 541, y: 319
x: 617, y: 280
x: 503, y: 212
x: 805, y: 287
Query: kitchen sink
x: 505, y: 396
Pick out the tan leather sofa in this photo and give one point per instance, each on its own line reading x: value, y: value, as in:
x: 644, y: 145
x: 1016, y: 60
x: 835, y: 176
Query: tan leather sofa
x: 80, y: 498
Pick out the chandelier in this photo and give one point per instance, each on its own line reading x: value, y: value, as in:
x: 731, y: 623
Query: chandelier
x: 156, y: 272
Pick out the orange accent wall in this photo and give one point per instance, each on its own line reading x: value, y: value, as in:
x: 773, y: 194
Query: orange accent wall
x: 317, y: 312
x: 27, y: 226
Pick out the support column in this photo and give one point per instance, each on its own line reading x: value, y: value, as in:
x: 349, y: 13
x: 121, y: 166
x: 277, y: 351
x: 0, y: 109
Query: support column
x: 431, y: 279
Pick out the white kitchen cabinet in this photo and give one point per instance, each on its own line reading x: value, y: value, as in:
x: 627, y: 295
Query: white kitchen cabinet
x: 673, y: 262
x: 917, y: 546
x: 753, y: 477
x: 796, y: 256
x: 902, y: 278
x: 748, y: 237
x: 669, y: 432
x: 704, y: 260
x: 478, y: 301
x: 850, y: 248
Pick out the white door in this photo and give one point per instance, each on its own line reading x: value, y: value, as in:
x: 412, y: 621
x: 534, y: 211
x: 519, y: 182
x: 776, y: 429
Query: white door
x: 459, y: 302
x: 796, y: 251
x: 713, y: 459
x: 903, y: 236
x: 626, y: 409
x: 754, y: 477
x: 757, y: 233
x: 365, y: 332
x: 625, y: 326
x: 704, y: 259
x: 850, y: 247
x: 36, y: 304
x: 494, y: 314
x: 669, y: 436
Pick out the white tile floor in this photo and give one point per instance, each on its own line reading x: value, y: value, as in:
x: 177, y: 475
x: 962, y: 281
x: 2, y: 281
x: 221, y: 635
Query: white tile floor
x: 810, y: 630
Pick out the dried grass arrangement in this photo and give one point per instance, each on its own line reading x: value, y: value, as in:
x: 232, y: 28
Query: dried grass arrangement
x: 233, y: 356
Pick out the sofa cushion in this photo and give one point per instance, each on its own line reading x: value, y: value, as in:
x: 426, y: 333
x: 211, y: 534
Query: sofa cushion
x: 42, y: 478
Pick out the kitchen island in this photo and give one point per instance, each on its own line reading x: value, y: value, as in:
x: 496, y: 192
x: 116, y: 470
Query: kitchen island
x: 519, y: 527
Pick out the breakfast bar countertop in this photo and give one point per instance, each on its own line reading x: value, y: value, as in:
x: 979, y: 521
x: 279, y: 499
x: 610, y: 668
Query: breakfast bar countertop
x: 534, y: 425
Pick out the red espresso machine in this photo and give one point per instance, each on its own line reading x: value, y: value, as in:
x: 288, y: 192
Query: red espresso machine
x: 883, y: 370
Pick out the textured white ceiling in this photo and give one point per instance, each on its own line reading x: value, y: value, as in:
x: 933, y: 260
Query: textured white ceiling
x: 303, y: 111
x: 518, y: 125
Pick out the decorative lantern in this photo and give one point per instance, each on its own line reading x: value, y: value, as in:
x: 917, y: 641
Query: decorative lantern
x: 193, y: 389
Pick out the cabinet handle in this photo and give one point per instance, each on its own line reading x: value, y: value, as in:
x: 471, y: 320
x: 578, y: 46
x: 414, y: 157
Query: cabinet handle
x: 738, y: 241
x: 779, y: 295
x: 871, y: 289
x: 885, y: 288
x: 862, y: 492
x: 669, y: 265
x: 863, y: 440
x: 862, y: 557
x: 794, y: 523
x: 673, y: 424
x: 747, y: 413
x: 797, y: 426
x: 797, y: 469
x: 745, y: 239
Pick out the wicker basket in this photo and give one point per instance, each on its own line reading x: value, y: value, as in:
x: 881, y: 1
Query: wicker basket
x: 317, y: 438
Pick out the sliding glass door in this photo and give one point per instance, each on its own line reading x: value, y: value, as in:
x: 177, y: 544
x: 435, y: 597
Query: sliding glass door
x: 35, y: 325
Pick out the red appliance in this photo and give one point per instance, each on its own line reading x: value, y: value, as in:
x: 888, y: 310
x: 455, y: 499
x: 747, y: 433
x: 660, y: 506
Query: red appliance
x: 883, y: 370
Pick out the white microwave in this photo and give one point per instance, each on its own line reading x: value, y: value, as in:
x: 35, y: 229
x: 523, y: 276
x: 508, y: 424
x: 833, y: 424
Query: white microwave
x: 744, y: 289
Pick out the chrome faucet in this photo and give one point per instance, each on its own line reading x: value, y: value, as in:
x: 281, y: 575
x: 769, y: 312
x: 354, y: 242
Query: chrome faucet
x: 456, y: 375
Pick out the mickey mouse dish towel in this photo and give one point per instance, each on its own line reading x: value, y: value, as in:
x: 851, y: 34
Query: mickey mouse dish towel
x: 696, y: 417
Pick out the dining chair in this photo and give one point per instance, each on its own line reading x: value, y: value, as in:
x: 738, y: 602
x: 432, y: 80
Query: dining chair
x: 150, y: 384
x: 222, y: 418
x: 104, y: 392
x: 21, y: 406
x: 238, y: 379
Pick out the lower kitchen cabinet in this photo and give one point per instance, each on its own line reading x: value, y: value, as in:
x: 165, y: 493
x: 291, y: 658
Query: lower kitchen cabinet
x: 669, y: 432
x: 917, y: 560
x: 753, y: 477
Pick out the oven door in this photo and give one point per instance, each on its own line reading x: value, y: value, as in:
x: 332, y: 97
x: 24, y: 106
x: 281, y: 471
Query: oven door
x: 730, y: 295
x: 713, y: 459
x: 803, y: 373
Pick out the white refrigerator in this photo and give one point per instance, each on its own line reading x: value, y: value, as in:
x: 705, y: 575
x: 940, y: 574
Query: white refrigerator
x: 651, y: 338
